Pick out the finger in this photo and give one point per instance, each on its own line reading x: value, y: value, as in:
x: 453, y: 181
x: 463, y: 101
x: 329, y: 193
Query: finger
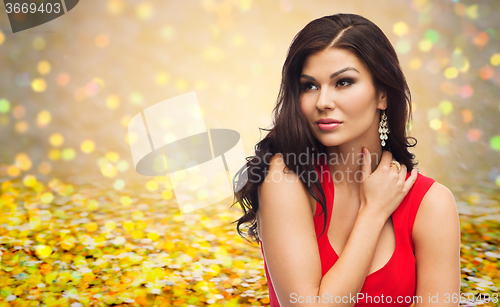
x: 366, y: 168
x: 403, y: 172
x: 386, y: 158
x: 411, y: 180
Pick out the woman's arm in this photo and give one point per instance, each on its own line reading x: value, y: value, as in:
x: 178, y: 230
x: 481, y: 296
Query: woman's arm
x: 287, y: 231
x: 436, y: 237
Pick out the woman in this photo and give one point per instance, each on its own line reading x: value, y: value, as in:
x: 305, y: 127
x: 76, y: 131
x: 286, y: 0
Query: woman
x: 342, y: 216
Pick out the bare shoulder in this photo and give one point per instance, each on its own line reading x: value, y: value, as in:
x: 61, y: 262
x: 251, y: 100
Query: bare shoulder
x: 437, y: 210
x: 280, y: 181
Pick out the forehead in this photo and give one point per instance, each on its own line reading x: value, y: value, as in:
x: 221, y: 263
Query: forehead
x: 333, y: 59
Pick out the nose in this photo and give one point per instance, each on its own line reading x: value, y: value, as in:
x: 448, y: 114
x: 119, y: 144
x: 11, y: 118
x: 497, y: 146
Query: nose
x: 325, y: 99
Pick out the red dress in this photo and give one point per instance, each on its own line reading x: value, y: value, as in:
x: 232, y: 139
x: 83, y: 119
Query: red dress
x: 396, y: 280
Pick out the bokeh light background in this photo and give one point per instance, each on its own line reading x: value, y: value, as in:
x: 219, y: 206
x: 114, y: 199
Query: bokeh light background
x: 79, y: 226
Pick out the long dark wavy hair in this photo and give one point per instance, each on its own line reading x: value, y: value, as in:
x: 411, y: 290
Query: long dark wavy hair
x: 290, y: 134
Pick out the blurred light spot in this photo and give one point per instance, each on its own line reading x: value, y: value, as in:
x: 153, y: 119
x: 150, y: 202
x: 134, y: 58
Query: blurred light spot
x: 201, y: 85
x: 87, y: 146
x: 403, y: 46
x: 29, y: 180
x: 4, y: 106
x: 62, y: 79
x: 238, y: 40
x: 2, y: 37
x: 162, y: 78
x: 68, y: 154
x: 435, y: 124
x: 125, y: 120
x: 446, y: 107
x: 108, y: 170
x: 495, y: 142
x: 213, y: 53
x: 43, y: 119
x: 474, y: 135
x: 144, y: 10
x: 119, y: 184
x: 19, y: 112
x: 110, y: 225
x: 467, y: 116
x: 471, y: 11
x: 54, y: 154
x: 181, y: 84
x: 101, y: 40
x: 415, y: 63
x: 481, y: 39
x: 115, y: 7
x: 432, y: 35
x: 466, y: 91
x: 137, y: 215
x: 460, y: 61
x: 47, y: 198
x: 245, y: 5
x: 486, y: 73
x: 22, y: 126
x: 400, y: 28
x: 451, y: 73
x: 44, y: 168
x: 23, y: 161
x: 112, y: 156
x: 126, y: 201
x: 122, y: 165
x: 56, y: 139
x: 152, y: 185
x: 38, y: 85
x: 38, y: 43
x: 425, y: 45
x: 136, y: 98
x: 495, y: 59
x: 93, y: 87
x: 167, y: 32
x: 43, y: 67
x: 113, y: 101
x: 13, y: 171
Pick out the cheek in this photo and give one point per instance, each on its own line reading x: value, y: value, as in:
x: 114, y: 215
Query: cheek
x: 359, y: 102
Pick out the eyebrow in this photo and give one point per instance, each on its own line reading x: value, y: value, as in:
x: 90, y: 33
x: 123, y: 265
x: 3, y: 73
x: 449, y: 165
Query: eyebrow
x: 332, y: 75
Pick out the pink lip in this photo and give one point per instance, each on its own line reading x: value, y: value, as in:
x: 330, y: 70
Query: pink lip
x: 328, y: 127
x: 328, y: 121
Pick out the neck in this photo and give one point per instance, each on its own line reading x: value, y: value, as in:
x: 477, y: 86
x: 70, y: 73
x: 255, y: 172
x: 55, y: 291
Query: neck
x: 345, y: 162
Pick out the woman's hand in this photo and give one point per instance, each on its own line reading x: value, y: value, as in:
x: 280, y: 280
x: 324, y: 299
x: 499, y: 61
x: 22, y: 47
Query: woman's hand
x: 382, y: 191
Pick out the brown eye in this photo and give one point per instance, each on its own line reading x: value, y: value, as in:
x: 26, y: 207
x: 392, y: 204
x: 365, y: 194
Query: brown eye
x: 307, y: 86
x: 344, y: 82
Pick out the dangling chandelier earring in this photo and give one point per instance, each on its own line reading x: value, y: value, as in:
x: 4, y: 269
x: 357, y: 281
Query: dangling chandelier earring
x: 383, y: 129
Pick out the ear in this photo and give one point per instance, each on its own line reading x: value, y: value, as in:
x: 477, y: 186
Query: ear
x: 382, y: 98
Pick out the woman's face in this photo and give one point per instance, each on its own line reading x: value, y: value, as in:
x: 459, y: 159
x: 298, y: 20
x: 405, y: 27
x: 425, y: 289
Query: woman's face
x: 336, y: 85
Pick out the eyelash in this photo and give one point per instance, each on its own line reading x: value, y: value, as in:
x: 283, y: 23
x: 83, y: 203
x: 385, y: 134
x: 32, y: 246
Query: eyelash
x: 305, y: 86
